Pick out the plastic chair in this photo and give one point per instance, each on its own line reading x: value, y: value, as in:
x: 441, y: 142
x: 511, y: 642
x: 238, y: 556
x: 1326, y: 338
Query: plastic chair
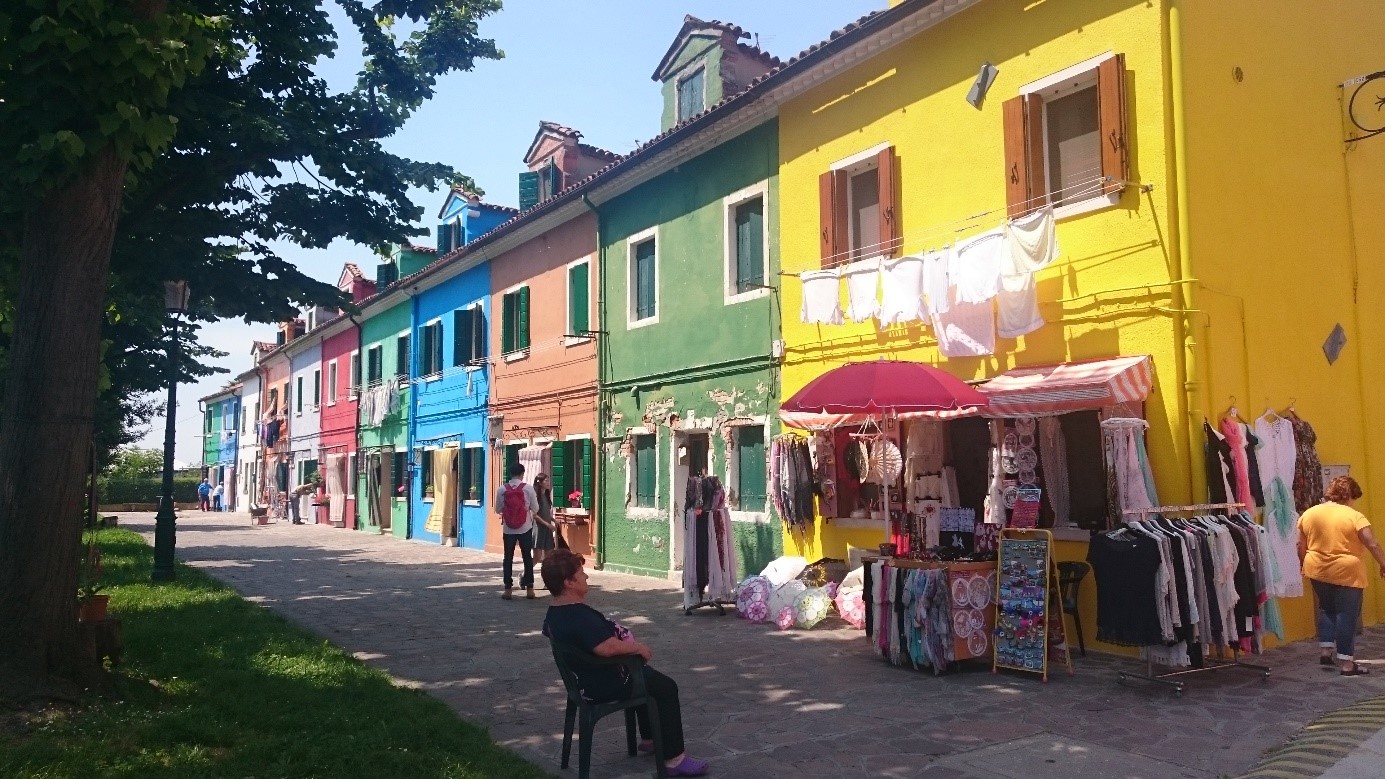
x: 590, y: 713
x: 1070, y: 576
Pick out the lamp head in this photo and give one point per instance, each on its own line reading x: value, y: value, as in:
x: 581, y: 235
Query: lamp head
x: 176, y: 294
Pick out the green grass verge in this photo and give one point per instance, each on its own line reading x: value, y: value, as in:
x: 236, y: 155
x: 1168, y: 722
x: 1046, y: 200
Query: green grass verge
x: 213, y: 686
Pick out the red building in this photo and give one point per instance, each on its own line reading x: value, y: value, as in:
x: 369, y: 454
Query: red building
x: 341, y: 378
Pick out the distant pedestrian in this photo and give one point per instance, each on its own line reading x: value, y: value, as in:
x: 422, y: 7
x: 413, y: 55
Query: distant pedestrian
x: 545, y: 529
x: 1332, y: 541
x: 517, y: 506
x: 218, y: 495
x: 204, y: 495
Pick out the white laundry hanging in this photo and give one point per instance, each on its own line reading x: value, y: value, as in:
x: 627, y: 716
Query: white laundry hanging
x: 975, y: 271
x: 937, y: 287
x: 902, y: 301
x: 1033, y: 244
x: 822, y: 297
x: 862, y: 289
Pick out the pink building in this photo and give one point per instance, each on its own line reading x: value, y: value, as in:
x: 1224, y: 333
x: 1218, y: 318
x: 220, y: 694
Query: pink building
x: 341, y: 379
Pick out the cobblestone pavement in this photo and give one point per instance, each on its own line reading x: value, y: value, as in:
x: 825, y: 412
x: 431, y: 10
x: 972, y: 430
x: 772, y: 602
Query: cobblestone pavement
x: 756, y: 701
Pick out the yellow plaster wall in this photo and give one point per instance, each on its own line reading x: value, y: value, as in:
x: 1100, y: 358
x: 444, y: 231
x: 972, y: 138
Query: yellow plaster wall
x: 1285, y: 221
x: 1102, y: 298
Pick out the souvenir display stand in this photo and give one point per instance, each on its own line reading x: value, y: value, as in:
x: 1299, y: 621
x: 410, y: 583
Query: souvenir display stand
x: 1166, y: 677
x: 1027, y: 636
x: 971, y: 601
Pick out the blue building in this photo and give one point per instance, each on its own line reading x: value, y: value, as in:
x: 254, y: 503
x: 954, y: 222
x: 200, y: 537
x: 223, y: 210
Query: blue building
x: 451, y: 380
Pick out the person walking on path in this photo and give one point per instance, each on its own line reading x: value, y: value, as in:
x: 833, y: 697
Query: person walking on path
x: 545, y: 529
x: 517, y: 505
x: 572, y: 622
x: 218, y: 495
x: 204, y: 495
x: 1332, y: 539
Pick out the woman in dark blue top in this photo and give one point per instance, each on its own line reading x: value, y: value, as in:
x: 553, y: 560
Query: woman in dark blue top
x: 571, y: 621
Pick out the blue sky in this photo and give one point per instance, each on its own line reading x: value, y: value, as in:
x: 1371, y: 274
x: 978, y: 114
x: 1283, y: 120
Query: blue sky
x: 586, y: 65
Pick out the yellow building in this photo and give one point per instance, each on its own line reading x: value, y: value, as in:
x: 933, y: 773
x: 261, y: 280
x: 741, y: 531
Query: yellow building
x: 1210, y: 212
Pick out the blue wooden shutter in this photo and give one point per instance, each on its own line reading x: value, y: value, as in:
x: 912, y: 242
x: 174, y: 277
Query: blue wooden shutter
x: 588, y: 461
x: 523, y: 317
x: 528, y: 190
x: 750, y: 468
x: 750, y: 244
x: 507, y: 324
x: 578, y: 299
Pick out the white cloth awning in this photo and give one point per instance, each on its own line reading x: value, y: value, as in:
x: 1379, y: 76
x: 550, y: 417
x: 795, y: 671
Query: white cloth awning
x: 1069, y: 386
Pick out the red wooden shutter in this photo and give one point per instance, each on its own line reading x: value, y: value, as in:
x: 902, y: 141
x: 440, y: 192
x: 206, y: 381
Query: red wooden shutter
x: 1110, y: 90
x: 1025, y: 181
x: 827, y: 216
x: 890, y: 234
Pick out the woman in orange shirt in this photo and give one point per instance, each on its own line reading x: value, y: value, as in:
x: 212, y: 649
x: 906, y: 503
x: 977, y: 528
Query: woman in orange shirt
x: 1332, y: 539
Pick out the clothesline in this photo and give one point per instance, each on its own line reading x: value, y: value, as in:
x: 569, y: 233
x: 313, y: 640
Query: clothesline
x: 950, y: 228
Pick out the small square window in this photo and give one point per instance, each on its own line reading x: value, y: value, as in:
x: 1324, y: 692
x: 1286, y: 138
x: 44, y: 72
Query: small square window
x: 692, y: 97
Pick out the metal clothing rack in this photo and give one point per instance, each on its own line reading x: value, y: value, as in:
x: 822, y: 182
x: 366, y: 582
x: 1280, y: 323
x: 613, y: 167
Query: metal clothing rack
x: 1234, y: 662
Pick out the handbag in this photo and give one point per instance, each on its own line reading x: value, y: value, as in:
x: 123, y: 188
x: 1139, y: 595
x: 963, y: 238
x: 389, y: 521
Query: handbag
x: 558, y: 536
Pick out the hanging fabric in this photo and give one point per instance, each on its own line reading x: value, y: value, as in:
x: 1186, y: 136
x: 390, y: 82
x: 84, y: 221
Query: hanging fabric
x: 1053, y: 458
x: 1033, y: 245
x: 1233, y: 431
x: 822, y: 297
x: 1128, y: 463
x: 862, y: 289
x: 336, y: 480
x: 976, y: 267
x: 937, y: 287
x: 442, y: 517
x: 902, y: 301
x: 1308, y: 486
x: 1278, y: 456
x: 709, y: 555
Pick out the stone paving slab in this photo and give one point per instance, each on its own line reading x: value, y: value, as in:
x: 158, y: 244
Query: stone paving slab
x: 756, y: 701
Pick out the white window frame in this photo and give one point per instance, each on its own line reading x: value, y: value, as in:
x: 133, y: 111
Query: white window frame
x: 436, y: 375
x: 590, y: 262
x: 356, y: 375
x: 631, y: 243
x: 729, y: 205
x: 518, y: 354
x: 632, y: 477
x: 1071, y: 79
x: 351, y: 475
x: 297, y: 397
x: 732, y: 479
x: 365, y: 365
x: 678, y: 118
x: 333, y: 375
x: 482, y: 491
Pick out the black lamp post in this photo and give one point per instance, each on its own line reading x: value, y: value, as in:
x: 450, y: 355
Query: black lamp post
x: 165, y: 522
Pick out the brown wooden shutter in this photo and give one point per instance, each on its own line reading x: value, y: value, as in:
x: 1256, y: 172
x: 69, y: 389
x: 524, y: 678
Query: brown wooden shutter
x: 827, y: 217
x: 889, y: 208
x: 1110, y: 90
x: 1025, y: 181
x: 841, y: 181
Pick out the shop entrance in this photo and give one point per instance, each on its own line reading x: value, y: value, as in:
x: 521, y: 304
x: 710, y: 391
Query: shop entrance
x: 691, y: 453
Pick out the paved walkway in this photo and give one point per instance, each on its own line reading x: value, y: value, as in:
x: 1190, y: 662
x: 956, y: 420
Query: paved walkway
x: 756, y: 701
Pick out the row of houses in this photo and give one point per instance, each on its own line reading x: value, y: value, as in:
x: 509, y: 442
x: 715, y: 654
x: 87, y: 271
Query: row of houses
x: 1209, y: 168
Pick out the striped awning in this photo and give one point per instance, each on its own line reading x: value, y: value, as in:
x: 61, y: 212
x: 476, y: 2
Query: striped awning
x: 1069, y: 386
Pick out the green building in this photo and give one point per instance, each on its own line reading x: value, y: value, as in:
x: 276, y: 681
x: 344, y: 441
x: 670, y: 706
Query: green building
x: 690, y: 318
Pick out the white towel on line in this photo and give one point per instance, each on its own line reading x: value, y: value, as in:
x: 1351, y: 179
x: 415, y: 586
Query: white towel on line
x: 1033, y: 245
x: 965, y: 329
x: 936, y: 286
x: 975, y: 270
x: 862, y: 288
x: 902, y: 282
x: 822, y: 297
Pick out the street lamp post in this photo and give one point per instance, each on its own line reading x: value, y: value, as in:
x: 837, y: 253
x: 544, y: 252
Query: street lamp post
x: 165, y: 522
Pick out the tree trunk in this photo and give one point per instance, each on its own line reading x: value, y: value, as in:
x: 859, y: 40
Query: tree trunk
x: 46, y: 428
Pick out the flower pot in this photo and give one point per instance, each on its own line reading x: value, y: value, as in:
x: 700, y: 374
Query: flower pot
x: 887, y: 550
x: 92, y: 608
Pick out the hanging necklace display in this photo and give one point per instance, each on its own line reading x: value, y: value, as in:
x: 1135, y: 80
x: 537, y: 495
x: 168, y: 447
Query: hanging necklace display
x: 1024, y: 633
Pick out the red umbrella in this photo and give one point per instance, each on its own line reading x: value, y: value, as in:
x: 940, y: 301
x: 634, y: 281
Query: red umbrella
x: 884, y: 386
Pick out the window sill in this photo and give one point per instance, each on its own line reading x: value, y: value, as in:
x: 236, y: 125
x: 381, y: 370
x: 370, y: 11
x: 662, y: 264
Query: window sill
x: 644, y: 512
x: 472, y: 503
x: 633, y: 324
x: 435, y: 376
x: 331, y: 403
x: 428, y: 500
x: 516, y: 356
x: 1087, y: 206
x: 732, y: 298
x: 576, y: 340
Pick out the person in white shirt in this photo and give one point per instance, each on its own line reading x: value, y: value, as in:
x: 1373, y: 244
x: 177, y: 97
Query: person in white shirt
x: 517, y: 504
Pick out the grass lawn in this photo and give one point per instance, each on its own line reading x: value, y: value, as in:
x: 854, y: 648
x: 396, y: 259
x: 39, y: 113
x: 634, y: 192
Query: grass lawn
x: 213, y: 686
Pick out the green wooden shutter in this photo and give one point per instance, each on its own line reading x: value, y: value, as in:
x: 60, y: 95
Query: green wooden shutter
x: 461, y: 336
x: 555, y: 178
x: 557, y: 477
x: 750, y: 469
x: 588, y: 461
x: 507, y: 326
x: 579, y: 299
x: 511, y: 457
x: 478, y: 333
x: 401, y: 356
x: 750, y: 244
x: 645, y: 283
x: 646, y: 475
x: 444, y: 239
x: 523, y: 327
x: 528, y: 190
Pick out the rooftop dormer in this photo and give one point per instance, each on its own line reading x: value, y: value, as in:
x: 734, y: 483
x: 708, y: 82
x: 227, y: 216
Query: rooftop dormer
x: 557, y: 159
x: 354, y: 283
x: 464, y: 218
x: 707, y: 63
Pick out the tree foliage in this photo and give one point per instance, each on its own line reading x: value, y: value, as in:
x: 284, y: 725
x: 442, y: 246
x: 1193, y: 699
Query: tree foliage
x: 145, y: 140
x: 134, y: 463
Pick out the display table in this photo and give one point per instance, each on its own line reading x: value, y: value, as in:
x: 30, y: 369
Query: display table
x: 973, y: 598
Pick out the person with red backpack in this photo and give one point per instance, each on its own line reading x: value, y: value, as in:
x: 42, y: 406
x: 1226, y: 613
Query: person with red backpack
x: 517, y: 504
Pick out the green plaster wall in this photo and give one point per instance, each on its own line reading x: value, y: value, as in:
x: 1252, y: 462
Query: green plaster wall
x: 705, y: 361
x: 698, y: 47
x: 382, y: 328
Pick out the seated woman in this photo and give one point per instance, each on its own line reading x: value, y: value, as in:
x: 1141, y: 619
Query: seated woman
x: 571, y: 621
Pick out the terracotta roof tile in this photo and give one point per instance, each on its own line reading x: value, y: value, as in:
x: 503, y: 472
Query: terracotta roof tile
x: 353, y: 269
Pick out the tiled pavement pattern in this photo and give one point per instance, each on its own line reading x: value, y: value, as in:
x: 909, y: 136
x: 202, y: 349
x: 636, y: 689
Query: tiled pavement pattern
x: 1340, y: 745
x: 756, y: 701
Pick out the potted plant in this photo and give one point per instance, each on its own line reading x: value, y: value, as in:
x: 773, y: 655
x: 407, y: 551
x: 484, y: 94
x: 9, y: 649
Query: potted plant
x: 472, y: 494
x: 428, y: 491
x: 574, y: 499
x: 91, y: 602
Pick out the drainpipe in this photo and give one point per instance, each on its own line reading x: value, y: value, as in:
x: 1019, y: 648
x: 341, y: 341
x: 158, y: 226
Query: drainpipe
x: 1184, y: 294
x: 412, y: 371
x: 356, y: 426
x: 598, y: 525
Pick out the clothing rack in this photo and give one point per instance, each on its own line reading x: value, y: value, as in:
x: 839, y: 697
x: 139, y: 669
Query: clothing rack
x: 1235, y: 662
